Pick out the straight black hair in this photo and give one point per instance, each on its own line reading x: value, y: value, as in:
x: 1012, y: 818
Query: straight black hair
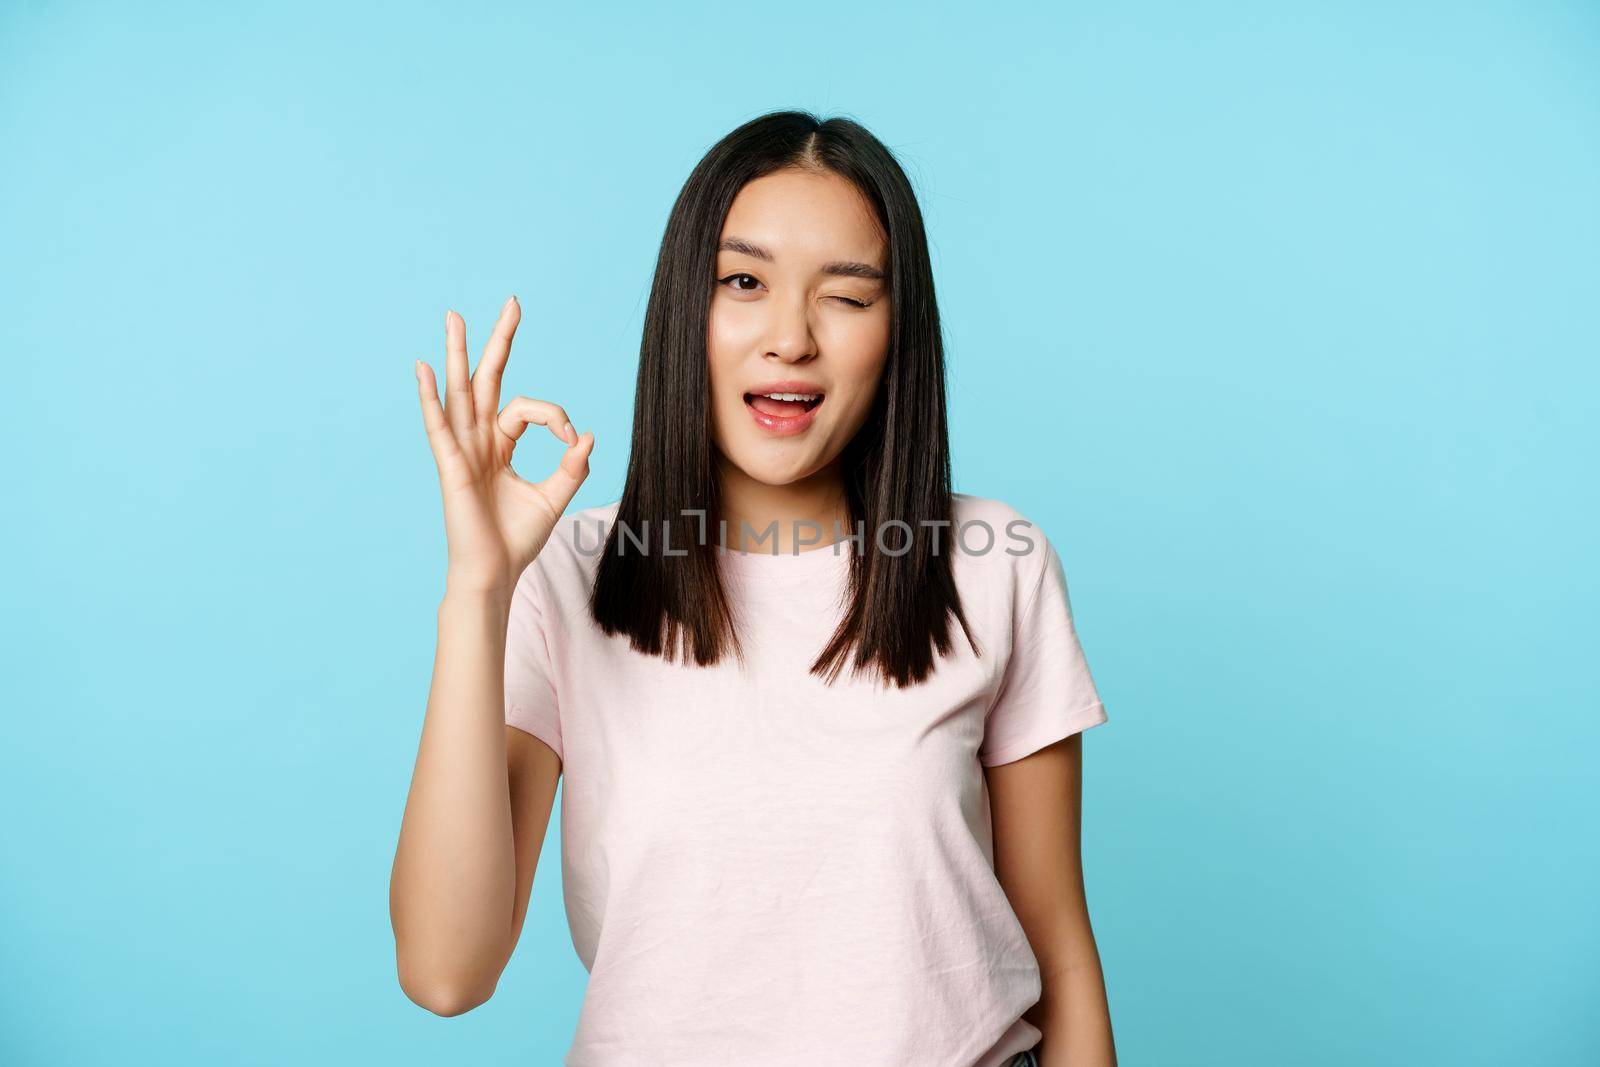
x: 897, y: 467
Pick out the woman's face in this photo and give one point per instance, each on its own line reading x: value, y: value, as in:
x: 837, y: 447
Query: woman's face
x: 800, y: 306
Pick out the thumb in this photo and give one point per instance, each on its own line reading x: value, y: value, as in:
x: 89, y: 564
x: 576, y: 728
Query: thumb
x: 562, y: 484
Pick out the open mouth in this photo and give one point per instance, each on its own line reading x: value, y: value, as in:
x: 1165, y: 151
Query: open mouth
x: 783, y: 405
x: 783, y: 414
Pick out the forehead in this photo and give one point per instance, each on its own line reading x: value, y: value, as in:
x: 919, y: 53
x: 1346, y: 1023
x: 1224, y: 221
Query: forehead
x: 803, y: 216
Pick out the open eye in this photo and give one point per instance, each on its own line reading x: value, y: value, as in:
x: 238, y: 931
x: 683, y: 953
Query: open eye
x: 732, y: 277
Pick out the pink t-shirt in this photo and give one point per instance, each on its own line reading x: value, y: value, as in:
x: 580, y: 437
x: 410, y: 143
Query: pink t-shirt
x: 762, y: 868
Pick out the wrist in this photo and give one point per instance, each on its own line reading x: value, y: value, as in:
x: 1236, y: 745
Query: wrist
x: 475, y: 589
x: 475, y: 577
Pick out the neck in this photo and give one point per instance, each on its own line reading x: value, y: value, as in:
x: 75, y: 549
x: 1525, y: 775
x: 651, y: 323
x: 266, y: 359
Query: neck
x: 749, y: 507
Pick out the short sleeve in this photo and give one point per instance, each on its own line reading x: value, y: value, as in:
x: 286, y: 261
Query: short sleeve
x: 1046, y: 692
x: 530, y: 681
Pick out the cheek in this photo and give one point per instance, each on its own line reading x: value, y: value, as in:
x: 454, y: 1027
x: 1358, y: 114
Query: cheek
x: 730, y: 329
x: 849, y: 417
x: 859, y: 339
x: 722, y: 350
x: 716, y: 332
x: 862, y: 360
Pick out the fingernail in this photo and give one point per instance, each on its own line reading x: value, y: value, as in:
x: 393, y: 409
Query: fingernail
x: 566, y: 432
x: 447, y: 318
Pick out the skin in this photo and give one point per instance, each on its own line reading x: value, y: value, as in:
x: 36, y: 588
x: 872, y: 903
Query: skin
x: 781, y: 318
x: 482, y: 792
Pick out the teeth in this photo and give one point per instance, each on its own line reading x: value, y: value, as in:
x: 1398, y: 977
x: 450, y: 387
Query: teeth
x: 791, y: 396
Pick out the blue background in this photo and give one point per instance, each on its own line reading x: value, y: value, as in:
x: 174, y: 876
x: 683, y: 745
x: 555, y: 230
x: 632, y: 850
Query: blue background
x: 1279, y: 319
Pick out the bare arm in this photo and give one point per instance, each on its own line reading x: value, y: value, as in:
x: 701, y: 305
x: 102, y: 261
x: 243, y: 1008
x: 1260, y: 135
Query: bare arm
x: 481, y: 791
x: 1035, y: 806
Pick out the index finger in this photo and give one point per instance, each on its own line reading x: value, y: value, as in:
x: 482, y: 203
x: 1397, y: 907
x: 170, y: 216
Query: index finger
x: 491, y: 368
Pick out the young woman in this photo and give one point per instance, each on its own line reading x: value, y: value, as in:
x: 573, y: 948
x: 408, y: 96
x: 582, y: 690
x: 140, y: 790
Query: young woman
x: 817, y: 715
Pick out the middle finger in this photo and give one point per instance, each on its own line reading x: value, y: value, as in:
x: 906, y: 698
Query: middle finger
x: 491, y: 367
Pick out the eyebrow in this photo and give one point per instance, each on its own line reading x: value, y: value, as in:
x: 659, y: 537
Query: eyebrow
x: 844, y: 268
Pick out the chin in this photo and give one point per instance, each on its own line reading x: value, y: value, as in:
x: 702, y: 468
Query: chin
x: 773, y: 470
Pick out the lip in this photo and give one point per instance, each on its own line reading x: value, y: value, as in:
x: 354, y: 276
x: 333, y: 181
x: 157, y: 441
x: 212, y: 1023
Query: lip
x: 778, y: 425
x: 787, y: 385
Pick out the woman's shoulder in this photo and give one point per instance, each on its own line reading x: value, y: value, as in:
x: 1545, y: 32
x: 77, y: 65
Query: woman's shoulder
x: 998, y: 544
x: 581, y: 531
x: 986, y: 510
x: 980, y: 520
x: 568, y: 560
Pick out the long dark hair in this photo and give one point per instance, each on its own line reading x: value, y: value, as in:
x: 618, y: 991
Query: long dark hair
x: 897, y: 467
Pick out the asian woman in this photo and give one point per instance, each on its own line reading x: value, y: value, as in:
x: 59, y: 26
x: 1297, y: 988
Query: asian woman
x: 817, y: 716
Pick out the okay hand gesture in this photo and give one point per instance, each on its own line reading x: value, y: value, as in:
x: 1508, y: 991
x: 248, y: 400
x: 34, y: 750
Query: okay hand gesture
x: 495, y: 522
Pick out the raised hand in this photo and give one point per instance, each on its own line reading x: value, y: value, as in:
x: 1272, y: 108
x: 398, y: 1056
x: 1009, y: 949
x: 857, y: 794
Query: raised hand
x: 495, y: 521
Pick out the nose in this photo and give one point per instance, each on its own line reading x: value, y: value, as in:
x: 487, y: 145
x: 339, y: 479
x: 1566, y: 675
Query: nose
x: 790, y: 339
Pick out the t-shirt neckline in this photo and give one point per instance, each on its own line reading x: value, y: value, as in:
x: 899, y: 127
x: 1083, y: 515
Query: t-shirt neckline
x: 771, y: 563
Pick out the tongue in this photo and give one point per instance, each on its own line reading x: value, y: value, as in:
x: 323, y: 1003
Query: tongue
x: 787, y: 409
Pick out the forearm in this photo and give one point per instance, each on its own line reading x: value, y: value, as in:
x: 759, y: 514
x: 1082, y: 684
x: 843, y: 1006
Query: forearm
x: 1073, y: 1014
x: 453, y: 887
